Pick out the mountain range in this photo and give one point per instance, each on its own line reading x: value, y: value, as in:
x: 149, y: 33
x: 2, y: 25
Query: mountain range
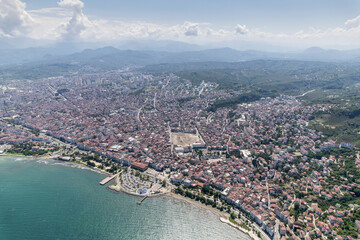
x: 156, y: 52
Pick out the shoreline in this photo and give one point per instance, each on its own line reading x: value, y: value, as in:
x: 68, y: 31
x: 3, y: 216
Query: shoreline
x: 117, y: 188
x: 82, y: 164
x: 222, y: 215
x: 20, y: 155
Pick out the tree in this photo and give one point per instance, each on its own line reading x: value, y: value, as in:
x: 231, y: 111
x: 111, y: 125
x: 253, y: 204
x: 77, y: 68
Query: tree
x: 113, y: 169
x: 254, y: 162
x: 199, y: 153
x: 178, y: 190
x: 90, y: 164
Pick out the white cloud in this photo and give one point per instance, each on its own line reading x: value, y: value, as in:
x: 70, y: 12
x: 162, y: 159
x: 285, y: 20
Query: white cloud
x: 78, y: 22
x: 241, y: 29
x: 104, y: 30
x: 77, y: 5
x: 353, y: 23
x: 54, y: 12
x: 191, y: 29
x: 68, y: 22
x: 220, y: 33
x: 14, y: 19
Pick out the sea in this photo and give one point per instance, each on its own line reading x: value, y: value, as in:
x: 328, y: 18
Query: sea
x: 49, y: 199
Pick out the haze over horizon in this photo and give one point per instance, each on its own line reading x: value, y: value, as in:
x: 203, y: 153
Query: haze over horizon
x: 272, y: 26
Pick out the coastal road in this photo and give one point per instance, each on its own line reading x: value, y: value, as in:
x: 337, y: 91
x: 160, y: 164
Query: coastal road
x: 264, y: 236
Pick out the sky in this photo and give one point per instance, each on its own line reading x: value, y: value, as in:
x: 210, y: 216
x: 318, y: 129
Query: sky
x: 275, y: 24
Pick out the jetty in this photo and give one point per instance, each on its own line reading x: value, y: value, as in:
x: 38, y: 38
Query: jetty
x: 108, y: 179
x: 139, y: 202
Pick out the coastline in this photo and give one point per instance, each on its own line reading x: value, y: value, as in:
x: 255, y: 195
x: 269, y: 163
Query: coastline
x: 105, y: 207
x: 79, y: 163
x: 223, y: 216
x: 20, y: 155
x: 90, y: 168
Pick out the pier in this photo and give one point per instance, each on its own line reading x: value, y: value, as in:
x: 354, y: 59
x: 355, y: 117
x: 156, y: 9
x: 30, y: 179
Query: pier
x: 106, y: 180
x: 139, y: 202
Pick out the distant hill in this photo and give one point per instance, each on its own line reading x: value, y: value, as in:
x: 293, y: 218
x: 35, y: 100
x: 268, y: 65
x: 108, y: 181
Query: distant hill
x: 10, y: 55
x: 158, y: 45
x: 33, y: 63
x: 156, y: 52
x: 319, y: 54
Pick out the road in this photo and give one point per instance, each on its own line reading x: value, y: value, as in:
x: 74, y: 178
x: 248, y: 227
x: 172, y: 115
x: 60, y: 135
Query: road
x: 277, y: 235
x: 208, y: 119
x: 264, y: 236
x: 267, y: 187
x: 305, y: 93
x: 171, y: 142
x: 155, y: 101
x: 138, y: 114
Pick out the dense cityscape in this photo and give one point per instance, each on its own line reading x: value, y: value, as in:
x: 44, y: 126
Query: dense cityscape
x: 260, y: 162
x: 190, y: 120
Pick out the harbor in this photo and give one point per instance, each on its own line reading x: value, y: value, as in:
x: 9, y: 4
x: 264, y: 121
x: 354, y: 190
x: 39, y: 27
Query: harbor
x: 145, y: 184
x: 108, y: 179
x: 87, y: 210
x: 139, y: 202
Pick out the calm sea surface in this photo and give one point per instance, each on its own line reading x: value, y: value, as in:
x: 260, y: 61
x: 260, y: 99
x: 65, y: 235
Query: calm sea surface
x: 47, y: 199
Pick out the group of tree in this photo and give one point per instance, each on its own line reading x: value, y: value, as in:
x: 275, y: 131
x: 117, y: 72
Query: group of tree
x: 27, y: 149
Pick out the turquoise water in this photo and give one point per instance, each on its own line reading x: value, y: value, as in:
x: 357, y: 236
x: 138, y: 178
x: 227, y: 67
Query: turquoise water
x: 54, y: 200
